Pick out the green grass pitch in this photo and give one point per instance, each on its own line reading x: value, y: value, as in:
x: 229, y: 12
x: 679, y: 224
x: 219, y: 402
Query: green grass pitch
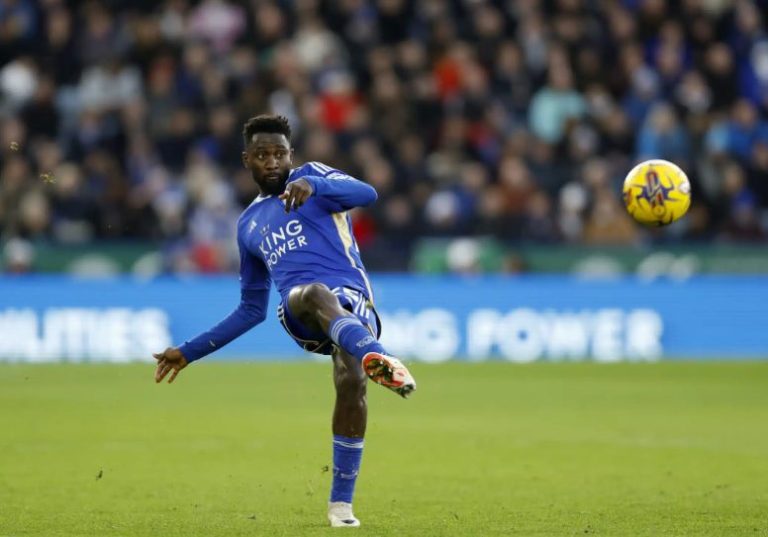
x: 481, y: 449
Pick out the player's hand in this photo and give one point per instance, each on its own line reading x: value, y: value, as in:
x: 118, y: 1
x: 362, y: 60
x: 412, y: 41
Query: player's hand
x: 296, y: 194
x: 169, y: 360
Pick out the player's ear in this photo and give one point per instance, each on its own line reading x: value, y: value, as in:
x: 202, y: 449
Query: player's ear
x: 290, y: 157
x: 245, y: 159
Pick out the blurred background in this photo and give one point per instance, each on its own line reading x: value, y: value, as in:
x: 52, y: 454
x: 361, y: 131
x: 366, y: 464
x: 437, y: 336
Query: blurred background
x: 497, y: 134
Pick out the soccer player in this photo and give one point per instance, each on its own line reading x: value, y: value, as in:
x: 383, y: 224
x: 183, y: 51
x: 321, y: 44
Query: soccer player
x: 297, y: 234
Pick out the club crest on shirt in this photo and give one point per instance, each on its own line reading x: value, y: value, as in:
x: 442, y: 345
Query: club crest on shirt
x: 253, y: 225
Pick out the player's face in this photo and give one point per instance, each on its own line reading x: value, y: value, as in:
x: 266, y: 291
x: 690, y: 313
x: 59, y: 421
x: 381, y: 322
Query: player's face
x: 269, y: 157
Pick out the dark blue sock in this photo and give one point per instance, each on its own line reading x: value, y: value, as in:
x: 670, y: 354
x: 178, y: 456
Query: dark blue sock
x: 349, y: 333
x: 347, y: 453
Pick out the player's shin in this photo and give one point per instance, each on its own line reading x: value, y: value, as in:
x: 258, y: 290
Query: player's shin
x: 349, y: 333
x: 347, y: 454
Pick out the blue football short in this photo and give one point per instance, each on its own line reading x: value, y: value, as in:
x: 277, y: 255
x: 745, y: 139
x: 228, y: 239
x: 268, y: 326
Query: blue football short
x: 351, y: 300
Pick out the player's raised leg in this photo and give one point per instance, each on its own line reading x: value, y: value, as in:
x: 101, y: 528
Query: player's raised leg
x: 350, y: 416
x: 318, y: 308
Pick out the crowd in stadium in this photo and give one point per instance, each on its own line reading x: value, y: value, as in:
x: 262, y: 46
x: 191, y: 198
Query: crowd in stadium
x: 121, y: 119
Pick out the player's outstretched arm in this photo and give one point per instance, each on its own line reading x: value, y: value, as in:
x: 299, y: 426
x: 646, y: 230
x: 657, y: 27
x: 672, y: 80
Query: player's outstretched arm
x: 252, y: 310
x: 171, y: 359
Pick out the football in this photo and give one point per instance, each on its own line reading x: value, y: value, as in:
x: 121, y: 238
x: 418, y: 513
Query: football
x: 657, y: 192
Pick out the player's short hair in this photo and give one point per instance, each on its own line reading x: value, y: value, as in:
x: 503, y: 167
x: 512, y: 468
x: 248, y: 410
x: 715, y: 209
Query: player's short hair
x: 266, y: 123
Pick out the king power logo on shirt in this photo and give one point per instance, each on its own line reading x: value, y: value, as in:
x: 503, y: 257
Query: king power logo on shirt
x: 276, y: 243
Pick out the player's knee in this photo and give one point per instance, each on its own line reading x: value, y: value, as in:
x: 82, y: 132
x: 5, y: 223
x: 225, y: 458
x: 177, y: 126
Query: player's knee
x: 314, y: 295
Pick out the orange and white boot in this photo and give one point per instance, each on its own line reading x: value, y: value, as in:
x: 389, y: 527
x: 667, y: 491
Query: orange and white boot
x: 389, y: 372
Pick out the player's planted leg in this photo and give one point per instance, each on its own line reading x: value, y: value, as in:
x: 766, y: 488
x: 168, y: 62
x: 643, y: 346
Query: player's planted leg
x: 350, y: 416
x: 316, y: 306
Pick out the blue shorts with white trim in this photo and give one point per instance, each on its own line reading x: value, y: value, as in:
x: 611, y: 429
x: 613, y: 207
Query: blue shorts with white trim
x: 351, y: 300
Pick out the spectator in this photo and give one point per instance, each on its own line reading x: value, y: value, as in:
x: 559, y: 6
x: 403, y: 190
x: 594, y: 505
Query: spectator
x: 742, y: 222
x: 662, y: 136
x: 555, y: 105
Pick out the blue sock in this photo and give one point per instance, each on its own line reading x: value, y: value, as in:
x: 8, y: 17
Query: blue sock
x: 347, y: 452
x: 349, y: 333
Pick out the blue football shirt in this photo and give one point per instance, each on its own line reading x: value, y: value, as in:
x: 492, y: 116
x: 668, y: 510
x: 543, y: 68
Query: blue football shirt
x: 313, y: 244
